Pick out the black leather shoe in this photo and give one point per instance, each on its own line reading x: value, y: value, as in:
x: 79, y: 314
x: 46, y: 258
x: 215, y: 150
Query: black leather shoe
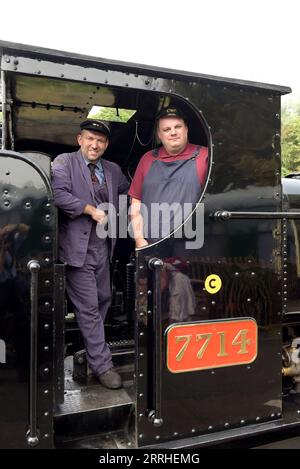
x: 110, y: 379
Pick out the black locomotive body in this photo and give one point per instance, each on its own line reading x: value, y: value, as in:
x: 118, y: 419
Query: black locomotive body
x: 230, y: 373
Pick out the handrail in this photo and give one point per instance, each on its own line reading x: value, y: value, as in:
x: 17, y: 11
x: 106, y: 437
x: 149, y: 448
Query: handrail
x: 32, y: 434
x: 3, y: 93
x: 154, y: 415
x: 225, y: 215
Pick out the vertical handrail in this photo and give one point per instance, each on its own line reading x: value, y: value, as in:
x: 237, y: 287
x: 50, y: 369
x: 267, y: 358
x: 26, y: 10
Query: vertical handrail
x: 3, y: 94
x: 154, y: 415
x: 32, y: 434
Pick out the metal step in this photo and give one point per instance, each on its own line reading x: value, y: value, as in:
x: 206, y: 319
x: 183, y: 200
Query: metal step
x: 113, y: 440
x: 90, y: 408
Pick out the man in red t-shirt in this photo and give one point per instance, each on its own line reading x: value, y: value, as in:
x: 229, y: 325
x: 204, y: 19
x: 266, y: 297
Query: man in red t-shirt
x: 173, y: 173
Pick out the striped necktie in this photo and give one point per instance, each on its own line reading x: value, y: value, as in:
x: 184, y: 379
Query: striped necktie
x: 92, y: 168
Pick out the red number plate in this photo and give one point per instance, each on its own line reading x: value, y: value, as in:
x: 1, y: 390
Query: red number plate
x: 200, y: 346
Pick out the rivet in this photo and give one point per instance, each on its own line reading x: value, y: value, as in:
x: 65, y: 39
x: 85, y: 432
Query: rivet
x: 141, y: 354
x: 46, y: 348
x: 27, y: 205
x: 5, y: 192
x: 157, y: 437
x: 46, y: 414
x: 46, y: 435
x: 141, y: 333
x: 141, y: 375
x: 141, y: 435
x: 242, y: 422
x: 141, y: 415
x: 226, y: 424
x: 193, y: 430
x: 141, y: 394
x: 46, y: 370
x: 257, y: 419
x: 175, y: 433
x: 46, y: 391
x: 47, y: 260
x: 210, y: 427
x: 141, y: 267
x: 46, y: 326
x: 47, y: 283
x: 7, y: 203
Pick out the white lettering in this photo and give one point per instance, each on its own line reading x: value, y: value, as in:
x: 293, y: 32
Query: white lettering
x: 164, y: 219
x: 110, y: 459
x: 2, y: 351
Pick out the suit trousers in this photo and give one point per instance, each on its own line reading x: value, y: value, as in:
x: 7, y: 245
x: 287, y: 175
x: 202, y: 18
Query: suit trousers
x: 88, y: 288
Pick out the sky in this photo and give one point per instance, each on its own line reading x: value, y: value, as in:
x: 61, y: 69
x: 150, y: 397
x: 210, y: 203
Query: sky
x: 256, y: 40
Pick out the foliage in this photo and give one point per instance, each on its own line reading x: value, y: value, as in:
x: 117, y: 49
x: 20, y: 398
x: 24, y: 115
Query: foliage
x: 290, y: 142
x: 112, y: 114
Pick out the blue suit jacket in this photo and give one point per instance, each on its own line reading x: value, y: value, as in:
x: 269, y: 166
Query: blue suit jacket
x: 73, y: 190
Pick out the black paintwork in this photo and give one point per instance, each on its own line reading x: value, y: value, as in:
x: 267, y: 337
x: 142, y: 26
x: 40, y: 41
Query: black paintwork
x: 244, y: 176
x: 27, y: 214
x: 239, y: 121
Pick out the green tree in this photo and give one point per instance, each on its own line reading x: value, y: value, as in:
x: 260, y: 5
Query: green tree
x: 290, y: 138
x: 113, y: 114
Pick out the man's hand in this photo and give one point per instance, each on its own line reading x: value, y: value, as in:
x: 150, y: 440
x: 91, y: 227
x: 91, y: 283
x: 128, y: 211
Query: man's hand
x: 99, y: 216
x: 96, y: 214
x: 141, y: 243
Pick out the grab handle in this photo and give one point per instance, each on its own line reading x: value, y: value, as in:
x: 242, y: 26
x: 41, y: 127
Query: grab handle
x: 154, y: 415
x: 32, y: 434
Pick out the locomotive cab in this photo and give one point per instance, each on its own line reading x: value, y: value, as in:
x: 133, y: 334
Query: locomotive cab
x: 206, y: 376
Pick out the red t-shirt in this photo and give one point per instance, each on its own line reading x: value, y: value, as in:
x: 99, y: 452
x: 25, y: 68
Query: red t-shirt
x: 147, y: 159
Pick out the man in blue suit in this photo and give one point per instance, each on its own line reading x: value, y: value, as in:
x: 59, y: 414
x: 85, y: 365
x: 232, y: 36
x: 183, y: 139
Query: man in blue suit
x: 81, y: 182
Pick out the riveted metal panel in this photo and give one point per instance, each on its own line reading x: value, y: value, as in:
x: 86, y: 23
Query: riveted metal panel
x: 245, y: 176
x: 27, y: 229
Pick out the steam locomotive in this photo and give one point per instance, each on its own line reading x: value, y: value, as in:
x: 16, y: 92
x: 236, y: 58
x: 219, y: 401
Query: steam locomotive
x: 227, y: 374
